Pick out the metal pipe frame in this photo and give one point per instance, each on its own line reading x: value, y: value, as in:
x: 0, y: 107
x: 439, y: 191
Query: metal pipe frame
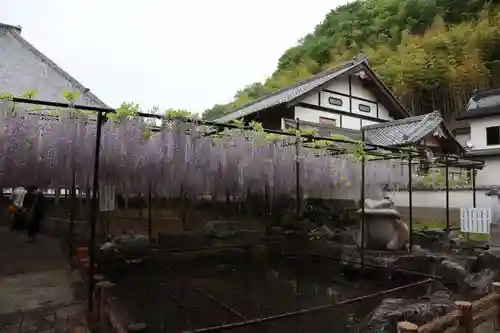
x: 387, y: 268
x: 298, y: 203
x: 93, y: 213
x: 218, y: 125
x: 447, y: 184
x: 473, y: 176
x: 410, y: 202
x: 101, y: 112
x: 362, y: 203
x: 72, y: 212
x: 298, y: 312
x: 150, y: 218
x: 208, y: 296
x: 257, y: 321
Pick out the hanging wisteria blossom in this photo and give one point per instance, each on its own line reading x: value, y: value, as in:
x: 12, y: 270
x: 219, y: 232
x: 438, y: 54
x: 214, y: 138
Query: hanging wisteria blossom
x: 181, y: 159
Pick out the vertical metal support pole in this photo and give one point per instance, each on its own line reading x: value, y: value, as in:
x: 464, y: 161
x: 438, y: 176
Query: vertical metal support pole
x: 267, y: 211
x: 473, y: 172
x: 72, y: 211
x: 410, y: 200
x: 298, y: 230
x: 93, y: 213
x: 184, y: 208
x: 297, y: 174
x: 362, y: 201
x: 150, y: 222
x: 447, y: 180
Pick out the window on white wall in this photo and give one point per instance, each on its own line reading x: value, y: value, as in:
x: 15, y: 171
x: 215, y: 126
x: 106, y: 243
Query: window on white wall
x: 328, y: 121
x: 364, y: 108
x: 335, y: 101
x: 493, y: 135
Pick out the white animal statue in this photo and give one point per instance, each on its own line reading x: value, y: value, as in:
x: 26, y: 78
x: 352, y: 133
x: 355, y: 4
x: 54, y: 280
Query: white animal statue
x: 384, y: 226
x: 494, y: 195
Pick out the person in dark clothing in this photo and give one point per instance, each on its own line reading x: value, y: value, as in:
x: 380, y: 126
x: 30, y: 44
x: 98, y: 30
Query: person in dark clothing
x: 34, y: 207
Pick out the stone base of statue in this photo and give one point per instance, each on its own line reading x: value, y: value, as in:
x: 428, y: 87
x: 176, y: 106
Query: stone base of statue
x: 384, y: 227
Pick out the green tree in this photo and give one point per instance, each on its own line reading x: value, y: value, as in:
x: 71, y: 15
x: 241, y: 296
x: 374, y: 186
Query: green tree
x: 420, y: 48
x: 179, y: 113
x: 214, y: 112
x: 126, y: 110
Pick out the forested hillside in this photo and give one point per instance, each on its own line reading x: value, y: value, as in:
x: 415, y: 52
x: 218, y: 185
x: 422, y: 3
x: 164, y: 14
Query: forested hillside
x: 431, y: 53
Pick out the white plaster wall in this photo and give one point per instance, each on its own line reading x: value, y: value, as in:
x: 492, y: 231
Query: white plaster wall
x: 351, y: 122
x: 437, y: 199
x: 311, y: 99
x: 355, y: 108
x: 490, y: 175
x: 357, y: 89
x: 325, y: 95
x: 478, y: 131
x: 463, y: 138
x: 307, y: 114
x: 311, y: 115
x: 383, y: 113
x: 365, y: 122
x: 340, y: 85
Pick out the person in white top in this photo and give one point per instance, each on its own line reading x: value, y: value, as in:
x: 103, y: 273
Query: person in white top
x: 17, y: 196
x: 17, y: 201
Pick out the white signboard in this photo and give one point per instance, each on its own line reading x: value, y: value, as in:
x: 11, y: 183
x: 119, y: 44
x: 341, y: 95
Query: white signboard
x: 107, y: 198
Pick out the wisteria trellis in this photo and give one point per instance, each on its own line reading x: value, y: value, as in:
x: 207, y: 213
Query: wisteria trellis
x: 180, y: 158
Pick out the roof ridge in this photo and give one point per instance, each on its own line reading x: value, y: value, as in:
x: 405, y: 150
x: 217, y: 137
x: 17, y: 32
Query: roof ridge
x: 396, y: 122
x: 298, y: 83
x: 479, y: 93
x: 58, y: 69
x: 10, y: 27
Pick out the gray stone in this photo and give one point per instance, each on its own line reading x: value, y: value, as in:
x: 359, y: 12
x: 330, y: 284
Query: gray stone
x: 479, y: 284
x: 451, y: 271
x: 71, y: 310
x: 392, y: 310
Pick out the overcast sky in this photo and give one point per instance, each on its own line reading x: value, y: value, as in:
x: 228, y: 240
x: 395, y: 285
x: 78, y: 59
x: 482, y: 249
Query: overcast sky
x: 187, y: 54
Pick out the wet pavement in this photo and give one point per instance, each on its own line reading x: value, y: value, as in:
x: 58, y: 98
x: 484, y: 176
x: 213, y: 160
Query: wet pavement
x: 38, y: 290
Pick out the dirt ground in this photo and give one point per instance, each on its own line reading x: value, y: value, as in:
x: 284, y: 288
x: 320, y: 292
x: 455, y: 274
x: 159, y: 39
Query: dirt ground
x: 165, y: 221
x: 37, y: 287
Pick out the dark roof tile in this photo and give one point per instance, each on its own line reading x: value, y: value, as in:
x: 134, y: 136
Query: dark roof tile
x: 483, y: 103
x: 290, y: 93
x: 404, y: 132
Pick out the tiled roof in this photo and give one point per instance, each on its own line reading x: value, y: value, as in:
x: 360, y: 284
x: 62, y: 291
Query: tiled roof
x: 483, y: 103
x: 405, y: 131
x: 290, y: 93
x: 9, y: 84
x: 301, y: 88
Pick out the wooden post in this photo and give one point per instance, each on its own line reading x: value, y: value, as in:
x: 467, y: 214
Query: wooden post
x: 407, y: 327
x: 97, y: 278
x: 496, y: 290
x: 465, y: 319
x: 100, y: 308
